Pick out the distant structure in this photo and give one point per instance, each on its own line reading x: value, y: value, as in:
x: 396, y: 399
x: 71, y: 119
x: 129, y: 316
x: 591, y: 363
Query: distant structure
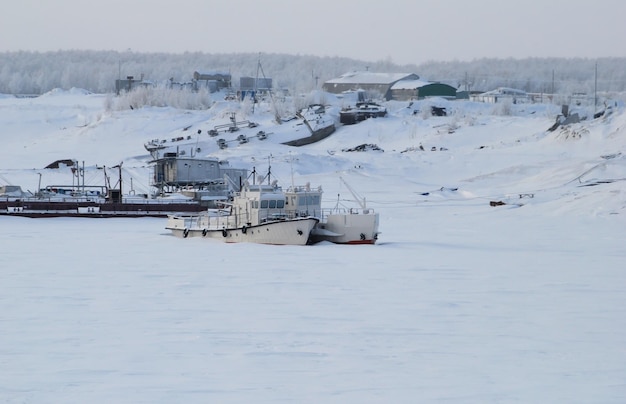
x: 182, y: 85
x: 250, y: 83
x: 175, y: 171
x: 389, y: 86
x: 405, y: 90
x: 501, y: 94
x: 370, y: 82
x: 130, y: 83
x: 251, y: 86
x: 213, y: 81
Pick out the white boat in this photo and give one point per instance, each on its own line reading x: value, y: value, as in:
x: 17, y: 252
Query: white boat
x: 338, y: 225
x: 352, y: 226
x: 257, y: 214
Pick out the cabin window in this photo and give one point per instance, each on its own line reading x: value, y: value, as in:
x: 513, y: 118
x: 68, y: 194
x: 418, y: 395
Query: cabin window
x: 280, y: 204
x: 273, y: 204
x: 255, y: 204
x: 264, y: 204
x: 309, y: 200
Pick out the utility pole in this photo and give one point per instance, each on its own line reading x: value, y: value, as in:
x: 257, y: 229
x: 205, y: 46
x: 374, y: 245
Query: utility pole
x: 256, y: 82
x: 595, y: 90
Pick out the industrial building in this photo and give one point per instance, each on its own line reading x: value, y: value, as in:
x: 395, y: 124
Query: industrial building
x: 389, y: 86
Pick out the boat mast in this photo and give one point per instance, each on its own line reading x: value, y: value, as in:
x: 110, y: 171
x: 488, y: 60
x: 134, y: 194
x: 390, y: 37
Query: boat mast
x: 269, y: 169
x: 119, y: 167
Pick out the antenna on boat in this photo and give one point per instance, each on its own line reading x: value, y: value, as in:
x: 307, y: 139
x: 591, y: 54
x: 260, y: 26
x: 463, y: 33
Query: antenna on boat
x: 253, y: 174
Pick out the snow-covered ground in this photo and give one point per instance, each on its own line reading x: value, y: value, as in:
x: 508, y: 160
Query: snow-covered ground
x: 460, y: 301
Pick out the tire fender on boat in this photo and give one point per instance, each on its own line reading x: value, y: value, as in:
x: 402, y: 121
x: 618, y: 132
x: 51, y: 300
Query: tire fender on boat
x: 244, y: 229
x: 185, y: 233
x: 224, y: 233
x: 204, y: 232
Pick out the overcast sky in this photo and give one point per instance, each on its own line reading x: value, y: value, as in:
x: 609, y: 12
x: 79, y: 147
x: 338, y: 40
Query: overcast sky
x: 402, y: 31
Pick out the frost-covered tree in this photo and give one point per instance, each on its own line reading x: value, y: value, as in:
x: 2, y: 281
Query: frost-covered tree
x: 96, y: 71
x: 162, y: 96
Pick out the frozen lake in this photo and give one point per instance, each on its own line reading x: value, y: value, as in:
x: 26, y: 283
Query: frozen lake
x: 506, y: 310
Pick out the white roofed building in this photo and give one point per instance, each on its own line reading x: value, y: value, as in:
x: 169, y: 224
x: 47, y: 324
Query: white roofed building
x: 367, y: 81
x: 502, y: 94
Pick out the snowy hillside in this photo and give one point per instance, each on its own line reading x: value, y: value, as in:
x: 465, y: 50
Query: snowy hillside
x: 487, y: 151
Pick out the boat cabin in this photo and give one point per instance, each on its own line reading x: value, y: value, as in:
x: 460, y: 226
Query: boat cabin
x: 260, y: 203
x: 304, y: 201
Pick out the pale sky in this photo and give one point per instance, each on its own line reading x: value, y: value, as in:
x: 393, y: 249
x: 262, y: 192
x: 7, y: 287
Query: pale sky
x: 402, y: 31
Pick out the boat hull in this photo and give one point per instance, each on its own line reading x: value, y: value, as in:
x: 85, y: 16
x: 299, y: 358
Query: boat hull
x: 316, y: 136
x: 48, y: 209
x: 282, y: 232
x: 348, y: 228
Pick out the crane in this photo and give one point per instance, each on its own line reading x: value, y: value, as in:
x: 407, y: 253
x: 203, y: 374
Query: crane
x: 357, y: 197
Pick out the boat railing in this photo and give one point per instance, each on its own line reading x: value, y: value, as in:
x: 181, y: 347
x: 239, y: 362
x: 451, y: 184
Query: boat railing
x: 285, y: 215
x: 192, y: 221
x: 275, y: 217
x: 304, y: 213
x: 303, y: 188
x: 347, y: 211
x: 224, y: 219
x: 157, y: 201
x: 53, y: 199
x: 95, y: 200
